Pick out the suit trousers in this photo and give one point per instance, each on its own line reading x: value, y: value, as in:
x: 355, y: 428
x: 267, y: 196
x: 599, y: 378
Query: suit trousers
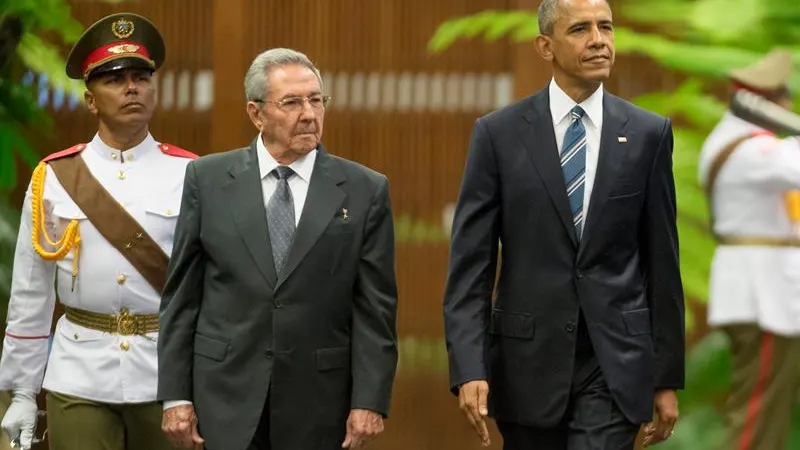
x: 78, y: 424
x: 592, y: 420
x: 765, y: 382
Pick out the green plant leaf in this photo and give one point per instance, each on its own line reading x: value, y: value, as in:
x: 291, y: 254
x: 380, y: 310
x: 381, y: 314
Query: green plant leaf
x: 44, y: 58
x: 492, y: 23
x: 8, y: 178
x: 693, y: 58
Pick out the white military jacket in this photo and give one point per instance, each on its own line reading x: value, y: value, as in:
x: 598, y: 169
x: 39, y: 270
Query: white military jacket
x: 753, y: 284
x: 148, y: 181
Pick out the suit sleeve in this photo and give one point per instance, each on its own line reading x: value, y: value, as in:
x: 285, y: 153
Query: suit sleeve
x: 662, y: 268
x: 180, y: 300
x: 473, y: 261
x: 374, y: 334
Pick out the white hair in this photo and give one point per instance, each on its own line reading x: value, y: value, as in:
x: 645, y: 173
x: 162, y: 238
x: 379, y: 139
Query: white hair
x: 548, y: 13
x: 256, y: 84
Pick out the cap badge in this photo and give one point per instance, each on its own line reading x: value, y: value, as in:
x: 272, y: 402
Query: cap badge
x: 123, y: 48
x: 122, y: 28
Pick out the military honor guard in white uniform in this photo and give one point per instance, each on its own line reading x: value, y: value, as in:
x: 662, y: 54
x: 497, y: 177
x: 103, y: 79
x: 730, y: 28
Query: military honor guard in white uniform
x: 751, y: 173
x: 96, y: 231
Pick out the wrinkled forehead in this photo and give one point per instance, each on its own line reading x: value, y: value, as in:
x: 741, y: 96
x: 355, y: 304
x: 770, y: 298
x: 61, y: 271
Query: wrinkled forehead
x: 290, y: 80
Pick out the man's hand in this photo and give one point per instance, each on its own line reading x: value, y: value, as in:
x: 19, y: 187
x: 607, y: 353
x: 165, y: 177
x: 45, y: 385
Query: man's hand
x: 20, y: 419
x: 179, y: 423
x: 362, y: 427
x: 666, y: 414
x: 472, y: 399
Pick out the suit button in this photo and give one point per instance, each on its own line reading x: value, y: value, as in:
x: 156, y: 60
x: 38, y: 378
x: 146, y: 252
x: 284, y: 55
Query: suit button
x: 579, y: 274
x: 570, y: 328
x: 278, y: 303
x: 268, y: 353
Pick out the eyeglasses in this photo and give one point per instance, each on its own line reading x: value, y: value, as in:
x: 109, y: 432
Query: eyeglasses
x: 294, y: 104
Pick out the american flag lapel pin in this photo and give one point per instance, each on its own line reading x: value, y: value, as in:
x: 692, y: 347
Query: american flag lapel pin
x: 622, y: 139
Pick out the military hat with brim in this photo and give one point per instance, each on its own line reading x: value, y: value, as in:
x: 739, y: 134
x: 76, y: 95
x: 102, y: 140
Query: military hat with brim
x: 770, y: 73
x: 118, y: 41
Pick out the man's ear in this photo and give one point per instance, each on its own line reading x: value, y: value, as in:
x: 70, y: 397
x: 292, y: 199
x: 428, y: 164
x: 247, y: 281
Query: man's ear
x: 88, y: 96
x: 253, y: 112
x: 544, y: 46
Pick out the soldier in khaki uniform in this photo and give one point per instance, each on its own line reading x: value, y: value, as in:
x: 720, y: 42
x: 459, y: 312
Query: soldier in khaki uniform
x: 750, y: 174
x: 97, y: 225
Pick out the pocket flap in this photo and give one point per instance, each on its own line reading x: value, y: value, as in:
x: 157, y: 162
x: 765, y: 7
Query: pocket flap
x: 76, y: 333
x: 511, y: 324
x: 68, y: 211
x: 332, y: 358
x: 637, y: 321
x: 164, y: 208
x: 210, y: 347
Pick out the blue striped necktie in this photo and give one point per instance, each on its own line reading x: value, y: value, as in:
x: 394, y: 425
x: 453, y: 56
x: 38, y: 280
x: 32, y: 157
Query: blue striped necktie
x: 573, y: 165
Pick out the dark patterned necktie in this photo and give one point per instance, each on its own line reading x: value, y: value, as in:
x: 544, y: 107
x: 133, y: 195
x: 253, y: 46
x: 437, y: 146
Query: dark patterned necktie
x: 280, y: 217
x: 573, y: 165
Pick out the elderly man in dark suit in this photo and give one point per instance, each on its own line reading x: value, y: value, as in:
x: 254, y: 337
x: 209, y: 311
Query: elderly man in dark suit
x: 278, y: 316
x: 585, y: 339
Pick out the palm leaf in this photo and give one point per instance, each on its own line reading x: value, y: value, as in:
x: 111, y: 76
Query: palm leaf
x: 44, y: 59
x: 698, y: 59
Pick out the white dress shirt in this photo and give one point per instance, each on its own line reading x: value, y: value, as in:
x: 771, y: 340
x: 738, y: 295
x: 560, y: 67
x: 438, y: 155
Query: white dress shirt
x: 298, y: 184
x: 560, y: 107
x: 86, y: 363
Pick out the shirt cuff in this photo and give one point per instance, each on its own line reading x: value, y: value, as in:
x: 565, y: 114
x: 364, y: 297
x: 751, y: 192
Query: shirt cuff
x: 173, y: 403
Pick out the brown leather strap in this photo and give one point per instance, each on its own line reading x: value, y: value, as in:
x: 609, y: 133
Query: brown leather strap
x: 756, y: 241
x: 719, y: 161
x: 747, y: 241
x: 713, y: 172
x: 111, y: 220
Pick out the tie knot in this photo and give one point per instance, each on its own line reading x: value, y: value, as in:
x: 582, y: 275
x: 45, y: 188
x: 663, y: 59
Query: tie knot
x: 577, y: 112
x: 283, y: 172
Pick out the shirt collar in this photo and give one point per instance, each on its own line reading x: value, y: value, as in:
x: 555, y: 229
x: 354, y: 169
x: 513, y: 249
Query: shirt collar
x: 133, y: 154
x: 561, y: 104
x: 303, y: 166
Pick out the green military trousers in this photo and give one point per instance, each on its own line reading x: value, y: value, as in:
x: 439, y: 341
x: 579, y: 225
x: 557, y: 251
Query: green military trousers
x: 765, y: 383
x: 77, y: 424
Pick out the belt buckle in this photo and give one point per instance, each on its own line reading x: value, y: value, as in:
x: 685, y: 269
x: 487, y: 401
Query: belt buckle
x: 126, y: 323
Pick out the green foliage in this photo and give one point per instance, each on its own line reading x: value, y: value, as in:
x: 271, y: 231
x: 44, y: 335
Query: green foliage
x: 19, y: 111
x: 9, y: 223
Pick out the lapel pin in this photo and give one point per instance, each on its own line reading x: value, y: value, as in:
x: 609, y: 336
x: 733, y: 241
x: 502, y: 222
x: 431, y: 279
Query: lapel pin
x: 344, y: 213
x: 622, y: 139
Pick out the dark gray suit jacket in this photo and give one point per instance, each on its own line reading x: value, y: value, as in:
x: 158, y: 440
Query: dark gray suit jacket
x: 320, y: 336
x: 623, y: 274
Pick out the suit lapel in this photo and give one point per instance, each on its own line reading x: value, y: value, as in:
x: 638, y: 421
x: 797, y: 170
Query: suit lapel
x: 246, y: 202
x: 324, y: 199
x: 538, y: 137
x: 610, y: 157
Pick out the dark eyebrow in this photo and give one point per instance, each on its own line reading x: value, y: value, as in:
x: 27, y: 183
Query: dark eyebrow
x: 586, y: 23
x: 579, y: 25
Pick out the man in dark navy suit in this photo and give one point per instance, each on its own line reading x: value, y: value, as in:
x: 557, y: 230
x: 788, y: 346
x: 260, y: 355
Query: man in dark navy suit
x: 585, y: 339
